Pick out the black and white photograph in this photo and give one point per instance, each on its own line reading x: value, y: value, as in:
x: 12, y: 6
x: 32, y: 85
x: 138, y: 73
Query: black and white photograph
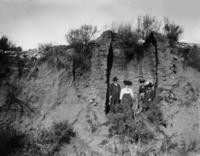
x: 99, y: 78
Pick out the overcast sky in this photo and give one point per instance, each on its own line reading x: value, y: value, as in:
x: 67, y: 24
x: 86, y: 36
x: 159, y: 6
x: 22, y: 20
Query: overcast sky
x: 30, y: 22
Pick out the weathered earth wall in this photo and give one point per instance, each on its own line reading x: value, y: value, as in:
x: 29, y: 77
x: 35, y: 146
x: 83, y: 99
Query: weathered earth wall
x: 54, y: 97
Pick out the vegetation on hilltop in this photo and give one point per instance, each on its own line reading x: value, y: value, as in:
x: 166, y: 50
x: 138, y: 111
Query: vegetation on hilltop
x: 191, y: 55
x: 7, y: 45
x: 133, y: 37
x: 81, y: 40
x: 172, y: 31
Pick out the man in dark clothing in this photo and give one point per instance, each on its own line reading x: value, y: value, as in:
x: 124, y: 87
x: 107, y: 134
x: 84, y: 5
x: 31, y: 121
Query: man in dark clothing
x: 114, y: 92
x: 142, y: 90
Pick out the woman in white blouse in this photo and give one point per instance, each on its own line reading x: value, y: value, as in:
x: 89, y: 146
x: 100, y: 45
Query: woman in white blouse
x: 127, y: 96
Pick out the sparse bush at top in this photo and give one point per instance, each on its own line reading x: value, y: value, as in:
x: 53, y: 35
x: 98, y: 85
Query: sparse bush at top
x: 147, y: 24
x: 129, y: 40
x: 80, y: 40
x: 193, y: 57
x: 172, y: 31
x: 82, y: 35
x: 45, y: 46
x: 7, y: 45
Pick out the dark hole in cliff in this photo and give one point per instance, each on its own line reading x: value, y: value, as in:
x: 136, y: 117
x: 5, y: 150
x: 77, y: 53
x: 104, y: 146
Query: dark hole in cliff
x: 108, y: 73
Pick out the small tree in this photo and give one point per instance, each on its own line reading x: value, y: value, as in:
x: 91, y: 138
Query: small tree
x: 82, y: 35
x: 79, y: 39
x: 172, y: 31
x: 129, y: 39
x: 146, y: 24
x: 6, y: 45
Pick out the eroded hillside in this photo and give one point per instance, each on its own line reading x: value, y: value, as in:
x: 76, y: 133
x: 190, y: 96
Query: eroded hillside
x: 38, y: 93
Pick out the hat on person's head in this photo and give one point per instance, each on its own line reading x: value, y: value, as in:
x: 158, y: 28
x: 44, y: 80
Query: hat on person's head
x: 150, y: 84
x: 115, y: 78
x: 146, y: 83
x: 141, y: 80
x: 127, y: 83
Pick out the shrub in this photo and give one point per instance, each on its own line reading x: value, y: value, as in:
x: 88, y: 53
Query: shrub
x: 7, y: 45
x: 82, y: 59
x: 154, y: 113
x: 55, y: 58
x: 48, y: 141
x: 12, y: 58
x: 125, y: 125
x: 129, y: 40
x: 10, y: 140
x: 35, y: 142
x: 167, y: 144
x: 80, y: 40
x: 172, y: 31
x: 82, y: 35
x: 46, y: 46
x: 192, y: 58
x: 147, y: 24
x: 4, y: 64
x: 55, y: 137
x: 15, y: 106
x: 63, y: 132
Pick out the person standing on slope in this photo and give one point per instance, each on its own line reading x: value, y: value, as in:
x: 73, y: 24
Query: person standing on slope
x: 114, y: 92
x: 127, y: 97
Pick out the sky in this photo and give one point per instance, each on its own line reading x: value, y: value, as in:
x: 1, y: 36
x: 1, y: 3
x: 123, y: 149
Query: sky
x: 29, y: 23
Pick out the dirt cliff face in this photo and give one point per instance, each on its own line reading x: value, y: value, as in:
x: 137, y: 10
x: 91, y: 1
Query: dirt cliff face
x: 179, y: 89
x: 46, y: 88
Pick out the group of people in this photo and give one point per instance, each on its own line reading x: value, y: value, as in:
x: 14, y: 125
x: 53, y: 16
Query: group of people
x: 126, y: 98
x: 118, y: 95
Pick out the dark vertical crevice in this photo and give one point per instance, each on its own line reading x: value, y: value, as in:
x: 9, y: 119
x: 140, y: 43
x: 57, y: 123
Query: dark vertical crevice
x: 154, y: 42
x: 108, y: 73
x: 74, y: 70
x: 156, y: 70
